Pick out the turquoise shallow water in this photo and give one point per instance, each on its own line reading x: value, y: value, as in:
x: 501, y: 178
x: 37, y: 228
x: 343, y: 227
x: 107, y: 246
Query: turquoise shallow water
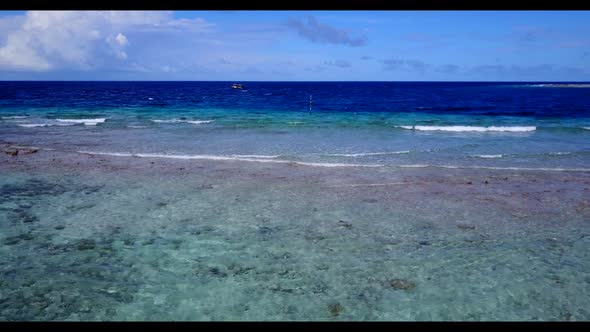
x: 250, y: 241
x: 540, y: 148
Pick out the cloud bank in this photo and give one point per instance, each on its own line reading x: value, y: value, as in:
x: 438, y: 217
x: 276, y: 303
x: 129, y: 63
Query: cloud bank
x: 317, y: 32
x: 82, y: 40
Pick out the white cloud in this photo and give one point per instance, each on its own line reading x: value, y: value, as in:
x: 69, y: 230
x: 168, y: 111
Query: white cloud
x: 45, y: 40
x: 168, y: 69
x: 121, y: 39
x: 117, y: 44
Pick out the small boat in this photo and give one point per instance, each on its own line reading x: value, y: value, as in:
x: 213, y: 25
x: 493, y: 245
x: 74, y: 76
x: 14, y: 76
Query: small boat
x: 237, y: 86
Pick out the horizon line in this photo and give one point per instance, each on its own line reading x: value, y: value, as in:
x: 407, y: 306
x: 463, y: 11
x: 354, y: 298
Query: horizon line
x: 299, y: 81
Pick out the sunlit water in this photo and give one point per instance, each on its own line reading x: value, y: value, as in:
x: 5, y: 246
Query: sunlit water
x: 270, y: 214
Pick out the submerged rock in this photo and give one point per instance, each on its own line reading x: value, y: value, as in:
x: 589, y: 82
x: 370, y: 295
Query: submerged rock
x: 345, y: 224
x: 264, y: 230
x: 128, y: 241
x: 370, y: 200
x: 279, y: 288
x: 319, y: 288
x: 402, y: 284
x: 9, y: 241
x: 12, y: 240
x: 237, y: 270
x: 86, y: 244
x: 80, y: 207
x: 27, y: 236
x: 148, y: 242
x: 31, y: 188
x: 335, y: 309
x: 465, y: 226
x: 27, y: 217
x: 216, y: 271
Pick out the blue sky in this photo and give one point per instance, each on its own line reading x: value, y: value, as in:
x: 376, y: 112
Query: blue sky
x: 296, y: 45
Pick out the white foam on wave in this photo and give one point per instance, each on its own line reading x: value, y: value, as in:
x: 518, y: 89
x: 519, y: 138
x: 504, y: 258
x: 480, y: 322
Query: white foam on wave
x: 413, y: 166
x: 32, y: 125
x: 14, y: 117
x: 528, y: 168
x: 185, y: 121
x: 86, y: 122
x: 587, y: 128
x: 497, y: 168
x: 199, y: 121
x: 258, y: 156
x: 137, y: 127
x: 489, y: 156
x: 226, y: 158
x: 365, y: 154
x: 471, y: 128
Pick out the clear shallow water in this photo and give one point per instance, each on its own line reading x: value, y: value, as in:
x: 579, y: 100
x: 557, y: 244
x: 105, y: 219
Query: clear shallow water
x: 239, y: 207
x: 273, y: 243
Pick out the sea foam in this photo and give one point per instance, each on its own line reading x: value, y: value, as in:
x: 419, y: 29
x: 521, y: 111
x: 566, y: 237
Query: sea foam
x: 180, y: 121
x: 497, y: 168
x: 32, y: 125
x: 225, y: 158
x: 258, y: 156
x: 14, y: 117
x: 471, y: 128
x: 86, y: 122
x: 365, y: 154
x: 488, y: 156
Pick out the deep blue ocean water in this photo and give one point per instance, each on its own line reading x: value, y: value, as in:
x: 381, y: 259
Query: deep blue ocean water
x: 488, y: 124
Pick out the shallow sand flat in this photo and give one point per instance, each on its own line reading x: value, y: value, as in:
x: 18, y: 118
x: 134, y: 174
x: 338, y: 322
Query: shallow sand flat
x: 121, y: 238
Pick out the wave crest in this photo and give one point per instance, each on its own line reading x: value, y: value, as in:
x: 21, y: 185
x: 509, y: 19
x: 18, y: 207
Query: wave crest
x: 33, y: 125
x: 226, y: 158
x: 488, y: 156
x: 365, y: 154
x: 471, y: 128
x: 86, y: 122
x: 181, y: 121
x: 14, y: 117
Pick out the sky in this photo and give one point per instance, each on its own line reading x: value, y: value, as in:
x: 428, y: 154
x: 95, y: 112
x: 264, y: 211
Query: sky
x: 295, y: 45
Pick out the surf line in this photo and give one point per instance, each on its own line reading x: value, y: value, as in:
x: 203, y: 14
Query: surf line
x: 368, y: 184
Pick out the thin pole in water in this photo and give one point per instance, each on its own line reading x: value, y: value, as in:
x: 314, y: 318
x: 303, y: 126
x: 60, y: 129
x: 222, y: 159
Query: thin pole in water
x: 309, y: 103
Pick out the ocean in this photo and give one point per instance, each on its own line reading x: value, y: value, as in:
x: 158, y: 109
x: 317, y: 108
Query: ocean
x: 294, y: 201
x: 453, y: 124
